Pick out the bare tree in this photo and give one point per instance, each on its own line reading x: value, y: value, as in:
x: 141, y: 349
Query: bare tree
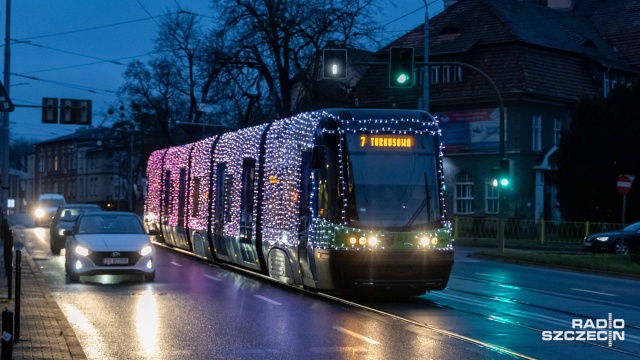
x: 280, y: 39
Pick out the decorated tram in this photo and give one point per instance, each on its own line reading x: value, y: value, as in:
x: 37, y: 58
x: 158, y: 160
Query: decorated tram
x: 337, y: 200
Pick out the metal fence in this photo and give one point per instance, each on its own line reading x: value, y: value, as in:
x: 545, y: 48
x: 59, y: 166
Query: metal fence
x: 541, y: 232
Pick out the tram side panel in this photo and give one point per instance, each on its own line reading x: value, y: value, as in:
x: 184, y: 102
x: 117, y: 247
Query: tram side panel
x: 198, y: 197
x: 235, y: 166
x: 153, y: 202
x: 284, y: 226
x: 174, y: 202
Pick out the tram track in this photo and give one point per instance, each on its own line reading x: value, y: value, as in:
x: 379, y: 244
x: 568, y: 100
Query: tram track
x: 524, y: 316
x: 520, y: 319
x: 356, y: 305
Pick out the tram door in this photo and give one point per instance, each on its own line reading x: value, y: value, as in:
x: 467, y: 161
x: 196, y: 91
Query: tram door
x: 246, y: 242
x: 305, y: 219
x: 221, y: 209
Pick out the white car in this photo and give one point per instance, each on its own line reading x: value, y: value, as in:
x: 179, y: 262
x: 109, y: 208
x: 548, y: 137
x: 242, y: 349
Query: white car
x: 109, y: 243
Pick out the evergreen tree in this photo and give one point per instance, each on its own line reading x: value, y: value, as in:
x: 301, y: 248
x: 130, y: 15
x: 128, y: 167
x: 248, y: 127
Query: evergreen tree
x: 601, y: 143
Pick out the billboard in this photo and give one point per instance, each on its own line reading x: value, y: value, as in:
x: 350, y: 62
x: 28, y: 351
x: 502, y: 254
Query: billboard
x: 469, y: 130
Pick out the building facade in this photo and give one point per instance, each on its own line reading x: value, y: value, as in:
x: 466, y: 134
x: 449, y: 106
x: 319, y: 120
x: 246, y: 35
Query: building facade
x: 542, y: 57
x: 89, y: 166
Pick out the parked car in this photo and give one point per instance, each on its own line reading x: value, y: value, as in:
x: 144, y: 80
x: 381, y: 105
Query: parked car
x: 64, y: 219
x: 46, y: 207
x: 107, y: 242
x: 612, y: 241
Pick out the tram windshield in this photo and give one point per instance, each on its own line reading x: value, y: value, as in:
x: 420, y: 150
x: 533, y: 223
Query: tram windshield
x: 392, y: 180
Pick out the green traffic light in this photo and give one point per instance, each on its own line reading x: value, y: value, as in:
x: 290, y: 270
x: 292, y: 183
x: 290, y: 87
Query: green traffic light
x: 402, y: 78
x: 504, y: 182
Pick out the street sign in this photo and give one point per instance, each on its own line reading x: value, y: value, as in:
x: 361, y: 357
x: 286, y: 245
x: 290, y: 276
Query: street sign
x: 624, y: 183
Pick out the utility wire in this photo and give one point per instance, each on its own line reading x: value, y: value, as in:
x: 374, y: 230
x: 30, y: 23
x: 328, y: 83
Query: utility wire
x: 69, y: 85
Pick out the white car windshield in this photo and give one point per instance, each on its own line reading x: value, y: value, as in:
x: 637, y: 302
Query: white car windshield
x: 110, y: 224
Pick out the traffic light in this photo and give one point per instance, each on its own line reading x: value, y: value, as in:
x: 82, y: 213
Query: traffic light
x: 401, y: 67
x: 495, y: 176
x: 506, y: 173
x: 334, y: 63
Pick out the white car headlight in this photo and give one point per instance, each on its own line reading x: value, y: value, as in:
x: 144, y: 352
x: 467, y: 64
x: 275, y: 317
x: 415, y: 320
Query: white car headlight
x: 602, y: 238
x: 146, y: 250
x: 39, y: 212
x: 80, y: 250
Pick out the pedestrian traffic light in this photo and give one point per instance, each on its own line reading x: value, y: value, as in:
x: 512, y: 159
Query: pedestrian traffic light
x: 401, y: 67
x: 506, y: 173
x: 334, y: 63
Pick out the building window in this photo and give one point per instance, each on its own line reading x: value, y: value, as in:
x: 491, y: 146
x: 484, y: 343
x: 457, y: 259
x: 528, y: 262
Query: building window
x: 611, y: 79
x: 445, y: 74
x: 463, y: 202
x: 435, y: 75
x: 557, y: 131
x: 492, y: 198
x: 536, y: 133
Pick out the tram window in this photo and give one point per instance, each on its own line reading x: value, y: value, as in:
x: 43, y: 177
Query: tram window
x: 246, y: 202
x: 167, y: 195
x: 228, y: 196
x: 221, y: 171
x: 196, y: 196
x: 318, y: 157
x: 182, y: 192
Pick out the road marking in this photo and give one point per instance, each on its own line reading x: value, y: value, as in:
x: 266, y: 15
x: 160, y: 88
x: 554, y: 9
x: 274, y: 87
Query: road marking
x: 267, y: 300
x: 593, y: 292
x: 213, y: 278
x: 175, y: 263
x: 354, y: 334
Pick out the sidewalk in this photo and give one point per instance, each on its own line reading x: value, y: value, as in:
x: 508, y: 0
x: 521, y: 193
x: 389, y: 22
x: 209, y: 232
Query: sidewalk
x: 44, y: 332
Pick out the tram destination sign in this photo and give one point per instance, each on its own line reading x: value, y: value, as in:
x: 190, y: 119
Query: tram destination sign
x: 387, y: 141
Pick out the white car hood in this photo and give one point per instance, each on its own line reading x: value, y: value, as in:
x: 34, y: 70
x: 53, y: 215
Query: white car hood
x: 113, y: 242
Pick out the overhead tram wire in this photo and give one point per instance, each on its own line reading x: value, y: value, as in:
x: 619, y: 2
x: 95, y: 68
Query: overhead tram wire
x: 72, y: 86
x: 92, y: 63
x: 65, y: 51
x: 151, y: 17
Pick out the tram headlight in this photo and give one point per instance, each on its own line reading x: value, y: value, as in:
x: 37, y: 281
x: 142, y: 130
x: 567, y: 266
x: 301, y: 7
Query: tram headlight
x: 363, y: 240
x: 425, y: 241
x: 353, y: 240
x: 434, y: 241
x: 373, y: 241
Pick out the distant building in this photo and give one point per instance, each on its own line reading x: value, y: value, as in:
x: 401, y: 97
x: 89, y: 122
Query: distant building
x: 89, y: 166
x: 542, y: 56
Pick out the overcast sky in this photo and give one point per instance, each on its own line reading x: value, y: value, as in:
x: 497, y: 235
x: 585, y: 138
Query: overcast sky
x: 79, y: 49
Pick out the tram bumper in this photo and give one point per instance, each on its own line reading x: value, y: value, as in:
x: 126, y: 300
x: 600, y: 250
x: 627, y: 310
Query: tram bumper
x: 407, y: 271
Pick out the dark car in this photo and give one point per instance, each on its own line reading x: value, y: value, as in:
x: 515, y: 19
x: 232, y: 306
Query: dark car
x: 612, y: 241
x: 63, y: 220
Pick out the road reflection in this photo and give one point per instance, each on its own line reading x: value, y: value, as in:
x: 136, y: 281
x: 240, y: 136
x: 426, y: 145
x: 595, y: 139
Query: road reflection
x: 95, y: 346
x: 147, y: 323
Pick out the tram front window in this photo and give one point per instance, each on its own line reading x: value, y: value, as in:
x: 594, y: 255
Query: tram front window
x: 393, y: 187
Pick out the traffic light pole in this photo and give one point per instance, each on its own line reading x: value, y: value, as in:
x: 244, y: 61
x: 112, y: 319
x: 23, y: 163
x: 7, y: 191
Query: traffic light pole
x: 502, y: 202
x: 4, y: 178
